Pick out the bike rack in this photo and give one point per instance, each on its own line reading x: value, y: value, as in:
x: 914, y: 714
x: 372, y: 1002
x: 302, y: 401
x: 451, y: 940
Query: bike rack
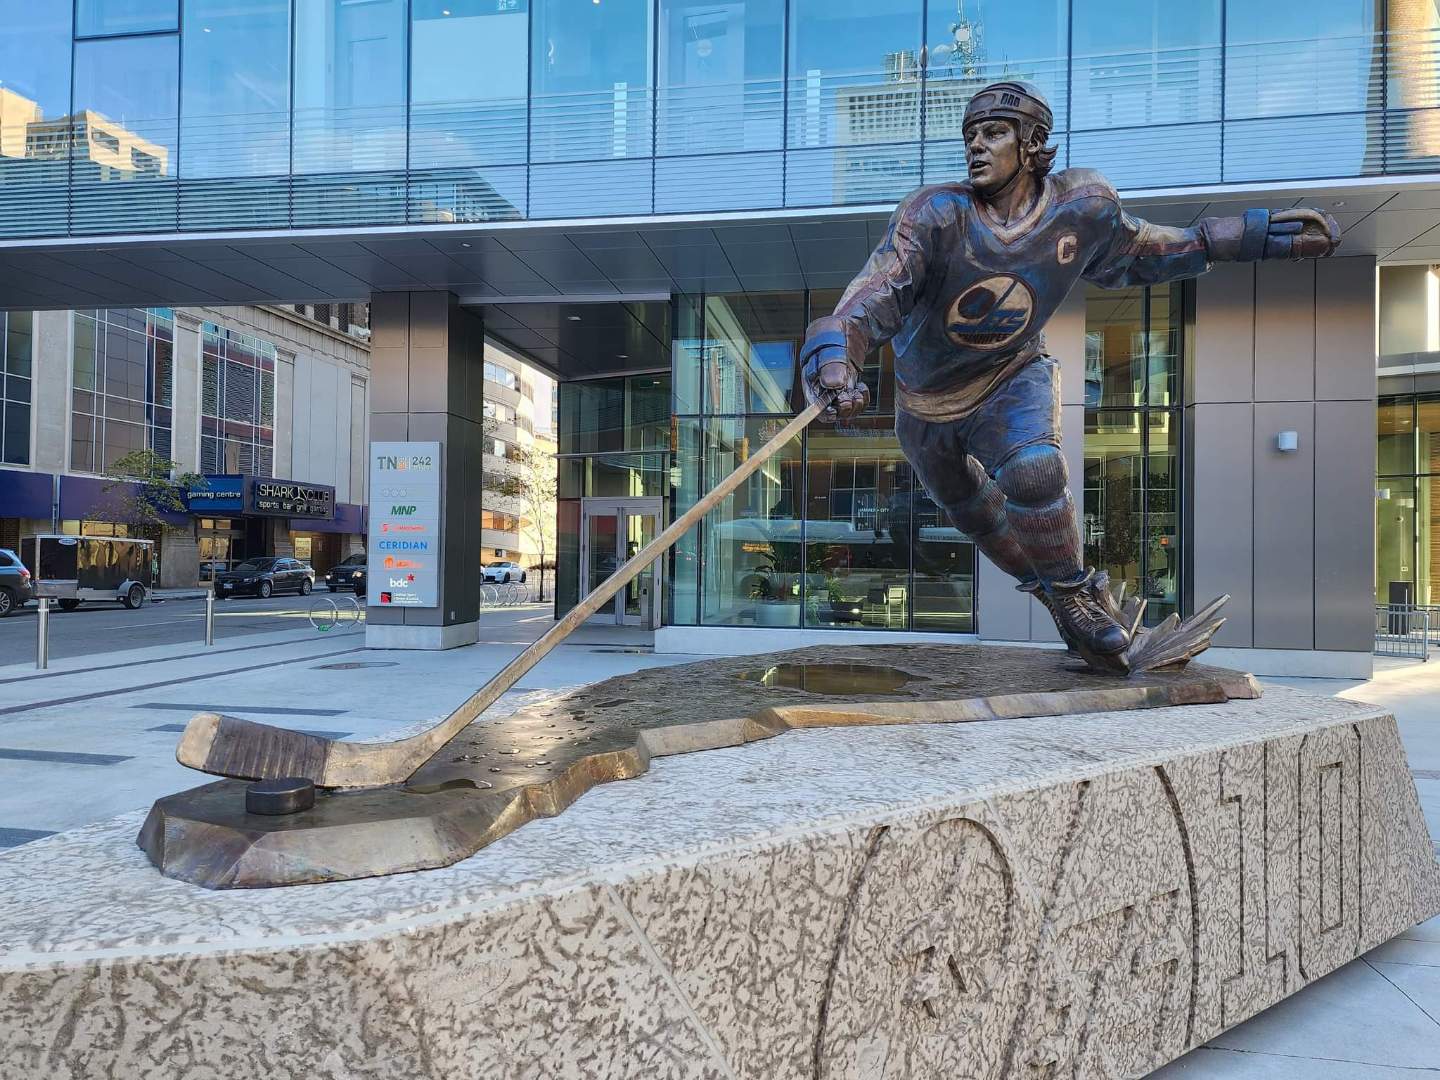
x: 324, y: 621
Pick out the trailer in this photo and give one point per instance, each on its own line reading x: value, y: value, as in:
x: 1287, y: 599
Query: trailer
x: 74, y: 569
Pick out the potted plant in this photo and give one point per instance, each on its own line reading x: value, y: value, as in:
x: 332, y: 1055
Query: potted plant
x: 773, y: 587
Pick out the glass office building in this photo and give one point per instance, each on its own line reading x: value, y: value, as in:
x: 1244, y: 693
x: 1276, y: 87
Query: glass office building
x: 650, y: 198
x: 130, y: 115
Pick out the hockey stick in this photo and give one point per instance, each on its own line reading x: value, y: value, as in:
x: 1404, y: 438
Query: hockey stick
x: 229, y: 746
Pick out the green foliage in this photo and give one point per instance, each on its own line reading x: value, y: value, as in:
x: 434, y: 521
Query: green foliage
x: 143, y: 488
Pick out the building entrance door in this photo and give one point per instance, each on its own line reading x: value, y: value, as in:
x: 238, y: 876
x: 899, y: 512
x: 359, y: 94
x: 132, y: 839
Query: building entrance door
x: 611, y: 531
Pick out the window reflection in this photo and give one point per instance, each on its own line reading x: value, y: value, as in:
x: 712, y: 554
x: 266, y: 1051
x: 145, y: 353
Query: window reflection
x: 752, y: 342
x: 124, y: 133
x: 34, y: 97
x: 16, y: 349
x: 1132, y: 346
x: 235, y: 112
x: 857, y: 561
x: 95, y: 17
x: 469, y: 77
x: 1407, y: 500
x: 609, y: 415
x: 974, y: 42
x: 1131, y: 499
x: 1145, y: 62
x: 721, y: 70
x: 1396, y: 437
x: 349, y: 109
x: 591, y: 80
x: 122, y: 386
x: 752, y: 566
x: 943, y: 564
x: 854, y: 85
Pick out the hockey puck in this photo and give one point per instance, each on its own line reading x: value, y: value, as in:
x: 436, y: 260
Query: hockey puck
x: 287, y: 795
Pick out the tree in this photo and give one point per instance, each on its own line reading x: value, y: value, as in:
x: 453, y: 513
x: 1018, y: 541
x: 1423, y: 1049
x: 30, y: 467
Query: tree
x: 531, y: 482
x: 145, y: 489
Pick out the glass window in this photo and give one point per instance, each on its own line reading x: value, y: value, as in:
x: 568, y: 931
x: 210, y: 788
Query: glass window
x: 1293, y: 57
x: 752, y: 569
x: 1114, y: 494
x: 235, y: 101
x: 854, y: 71
x: 349, y: 112
x: 942, y: 564
x: 1140, y: 62
x: 349, y: 85
x: 752, y: 343
x: 1427, y: 434
x: 683, y: 593
x: 1396, y: 437
x: 1132, y: 346
x: 15, y: 391
x: 469, y: 80
x: 973, y: 42
x: 1293, y: 71
x: 125, y: 133
x: 590, y: 76
x: 96, y: 17
x: 237, y: 403
x: 35, y: 52
x: 1131, y: 497
x: 1395, y: 544
x: 123, y: 386
x: 721, y: 76
x: 857, y: 563
x: 609, y: 415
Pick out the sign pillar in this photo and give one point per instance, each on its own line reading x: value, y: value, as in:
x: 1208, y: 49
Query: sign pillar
x: 425, y: 457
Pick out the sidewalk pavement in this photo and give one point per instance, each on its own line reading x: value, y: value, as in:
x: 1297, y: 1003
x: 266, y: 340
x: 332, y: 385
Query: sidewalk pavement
x: 94, y: 737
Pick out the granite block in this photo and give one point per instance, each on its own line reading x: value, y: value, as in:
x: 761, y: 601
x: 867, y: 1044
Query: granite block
x: 1087, y: 896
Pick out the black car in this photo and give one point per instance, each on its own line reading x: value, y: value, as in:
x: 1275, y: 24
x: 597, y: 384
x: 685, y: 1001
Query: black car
x: 262, y: 577
x: 348, y: 575
x: 16, y: 588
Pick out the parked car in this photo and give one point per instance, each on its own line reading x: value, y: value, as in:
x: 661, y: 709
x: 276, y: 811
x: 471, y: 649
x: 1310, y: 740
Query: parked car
x: 502, y: 572
x: 16, y: 588
x: 262, y: 577
x: 208, y: 570
x: 72, y: 570
x: 348, y: 575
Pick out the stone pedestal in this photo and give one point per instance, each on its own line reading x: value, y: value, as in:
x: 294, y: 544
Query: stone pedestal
x: 1085, y: 895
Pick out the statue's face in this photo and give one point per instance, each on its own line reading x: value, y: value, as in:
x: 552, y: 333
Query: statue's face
x: 992, y: 150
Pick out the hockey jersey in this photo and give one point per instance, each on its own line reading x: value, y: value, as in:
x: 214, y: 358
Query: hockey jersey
x: 960, y: 294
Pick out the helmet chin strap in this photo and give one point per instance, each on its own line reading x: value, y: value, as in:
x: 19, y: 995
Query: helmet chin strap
x: 1010, y: 184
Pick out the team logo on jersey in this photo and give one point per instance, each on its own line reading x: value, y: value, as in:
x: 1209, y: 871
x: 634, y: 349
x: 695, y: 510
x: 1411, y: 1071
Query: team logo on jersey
x: 991, y: 313
x: 1066, y: 247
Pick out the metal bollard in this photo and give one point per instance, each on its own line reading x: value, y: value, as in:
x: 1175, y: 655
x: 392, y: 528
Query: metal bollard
x: 210, y: 615
x: 42, y: 635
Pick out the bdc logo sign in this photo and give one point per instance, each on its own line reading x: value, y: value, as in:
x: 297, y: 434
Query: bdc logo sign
x: 401, y: 511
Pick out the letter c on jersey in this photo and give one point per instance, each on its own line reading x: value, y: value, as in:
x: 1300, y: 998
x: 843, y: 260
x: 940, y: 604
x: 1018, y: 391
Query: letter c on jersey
x: 1066, y: 247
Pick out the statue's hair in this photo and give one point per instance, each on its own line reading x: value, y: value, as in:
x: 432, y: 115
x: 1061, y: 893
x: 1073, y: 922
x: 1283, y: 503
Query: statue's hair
x: 1043, y: 159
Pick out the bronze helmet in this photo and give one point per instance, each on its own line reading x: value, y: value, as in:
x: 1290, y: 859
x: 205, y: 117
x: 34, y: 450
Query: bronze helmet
x: 1021, y: 102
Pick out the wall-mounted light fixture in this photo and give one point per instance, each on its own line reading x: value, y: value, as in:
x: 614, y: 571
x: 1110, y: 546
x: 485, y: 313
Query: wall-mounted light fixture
x: 1287, y: 442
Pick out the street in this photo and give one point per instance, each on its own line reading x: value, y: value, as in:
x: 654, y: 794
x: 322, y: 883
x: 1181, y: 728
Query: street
x: 102, y: 628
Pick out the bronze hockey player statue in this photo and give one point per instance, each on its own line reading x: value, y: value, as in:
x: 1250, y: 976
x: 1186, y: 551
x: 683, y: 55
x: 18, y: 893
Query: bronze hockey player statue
x: 963, y: 284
